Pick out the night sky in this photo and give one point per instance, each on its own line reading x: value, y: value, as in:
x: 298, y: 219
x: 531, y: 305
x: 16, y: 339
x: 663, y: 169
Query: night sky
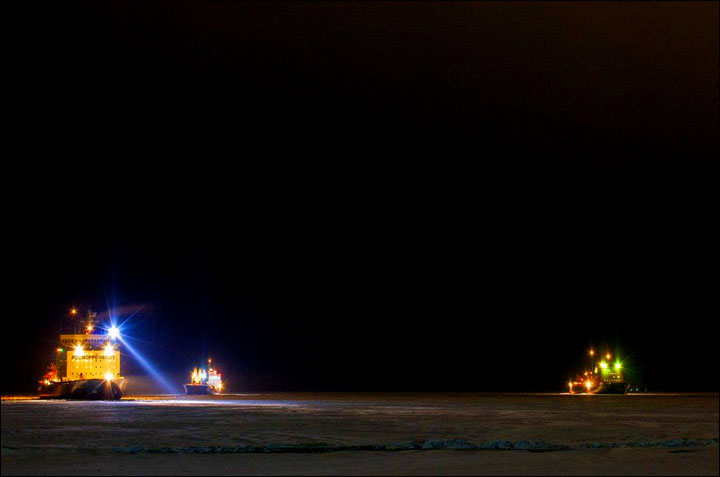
x: 366, y: 196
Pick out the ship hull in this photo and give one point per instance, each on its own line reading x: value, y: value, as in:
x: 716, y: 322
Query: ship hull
x: 198, y: 389
x: 613, y: 388
x: 84, y: 389
x: 604, y: 388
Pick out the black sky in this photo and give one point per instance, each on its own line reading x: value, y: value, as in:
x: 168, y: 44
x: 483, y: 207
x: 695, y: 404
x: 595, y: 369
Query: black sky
x: 367, y: 196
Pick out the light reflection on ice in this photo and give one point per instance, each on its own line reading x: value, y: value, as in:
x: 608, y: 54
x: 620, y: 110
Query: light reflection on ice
x: 200, y: 402
x: 156, y: 401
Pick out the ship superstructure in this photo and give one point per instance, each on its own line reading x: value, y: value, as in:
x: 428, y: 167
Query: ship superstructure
x: 603, y: 377
x: 87, y: 364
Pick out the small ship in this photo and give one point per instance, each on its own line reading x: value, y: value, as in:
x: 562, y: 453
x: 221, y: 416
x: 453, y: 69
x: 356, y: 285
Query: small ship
x: 603, y: 377
x: 86, y: 366
x: 202, y: 382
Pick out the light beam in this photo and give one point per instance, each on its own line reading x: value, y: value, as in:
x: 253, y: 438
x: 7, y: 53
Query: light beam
x: 150, y: 369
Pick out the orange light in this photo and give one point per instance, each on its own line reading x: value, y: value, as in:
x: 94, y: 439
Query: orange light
x: 592, y: 352
x: 73, y: 311
x: 588, y: 384
x: 89, y: 327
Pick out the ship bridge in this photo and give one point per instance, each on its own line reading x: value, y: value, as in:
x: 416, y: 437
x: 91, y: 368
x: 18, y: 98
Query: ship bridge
x: 87, y: 356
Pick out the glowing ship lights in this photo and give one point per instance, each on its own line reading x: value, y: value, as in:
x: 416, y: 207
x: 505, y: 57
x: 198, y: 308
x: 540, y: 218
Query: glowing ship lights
x: 202, y: 382
x: 114, y: 332
x: 87, y: 363
x: 603, y: 377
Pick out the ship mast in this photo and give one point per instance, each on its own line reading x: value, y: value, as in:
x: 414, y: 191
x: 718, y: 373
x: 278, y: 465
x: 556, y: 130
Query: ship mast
x: 73, y: 313
x: 90, y: 327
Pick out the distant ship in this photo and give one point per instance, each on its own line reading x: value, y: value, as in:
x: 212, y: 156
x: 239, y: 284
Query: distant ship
x: 603, y: 377
x: 202, y: 382
x: 86, y: 366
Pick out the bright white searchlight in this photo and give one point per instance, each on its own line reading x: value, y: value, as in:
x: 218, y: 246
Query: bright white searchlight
x: 114, y: 332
